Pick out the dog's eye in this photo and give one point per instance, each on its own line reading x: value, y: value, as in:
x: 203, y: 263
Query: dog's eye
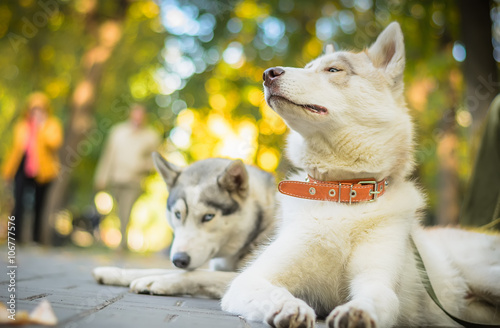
x: 177, y: 215
x: 207, y: 217
x: 333, y: 70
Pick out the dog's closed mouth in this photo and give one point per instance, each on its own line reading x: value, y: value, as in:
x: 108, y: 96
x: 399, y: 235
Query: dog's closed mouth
x: 316, y: 109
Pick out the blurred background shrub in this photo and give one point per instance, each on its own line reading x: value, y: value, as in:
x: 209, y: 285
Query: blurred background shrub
x: 197, y: 65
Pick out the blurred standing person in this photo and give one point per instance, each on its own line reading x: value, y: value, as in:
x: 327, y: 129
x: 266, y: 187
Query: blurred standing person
x: 33, y: 163
x: 125, y: 161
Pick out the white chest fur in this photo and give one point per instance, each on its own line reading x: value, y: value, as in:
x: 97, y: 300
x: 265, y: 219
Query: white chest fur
x: 320, y: 238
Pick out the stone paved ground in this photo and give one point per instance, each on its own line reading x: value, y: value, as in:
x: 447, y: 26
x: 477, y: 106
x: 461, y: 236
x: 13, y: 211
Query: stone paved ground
x: 62, y: 276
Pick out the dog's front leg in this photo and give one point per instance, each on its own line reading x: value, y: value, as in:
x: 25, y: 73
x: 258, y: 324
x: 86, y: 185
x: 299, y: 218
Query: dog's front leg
x: 257, y: 299
x: 212, y: 284
x: 108, y: 275
x: 374, y: 270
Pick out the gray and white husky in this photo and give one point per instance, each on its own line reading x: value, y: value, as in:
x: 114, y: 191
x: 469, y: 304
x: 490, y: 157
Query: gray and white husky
x: 221, y: 211
x: 354, y: 262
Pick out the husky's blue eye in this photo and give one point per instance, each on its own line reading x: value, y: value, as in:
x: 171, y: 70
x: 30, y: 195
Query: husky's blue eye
x: 177, y: 215
x: 207, y: 217
x: 333, y: 69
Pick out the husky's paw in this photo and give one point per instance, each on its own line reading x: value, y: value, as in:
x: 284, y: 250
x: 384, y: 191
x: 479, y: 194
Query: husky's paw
x: 157, y: 285
x: 109, y: 276
x: 293, y: 314
x: 346, y: 316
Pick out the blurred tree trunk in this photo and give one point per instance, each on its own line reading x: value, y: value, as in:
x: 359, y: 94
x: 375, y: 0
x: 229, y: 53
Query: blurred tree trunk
x: 447, y: 175
x: 107, y: 32
x: 480, y: 74
x: 480, y: 69
x: 482, y: 85
x: 481, y: 205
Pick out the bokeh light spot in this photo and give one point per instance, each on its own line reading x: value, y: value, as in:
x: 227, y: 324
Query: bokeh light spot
x: 64, y: 222
x: 459, y: 52
x: 217, y: 101
x: 103, y: 202
x: 464, y: 118
x: 268, y: 159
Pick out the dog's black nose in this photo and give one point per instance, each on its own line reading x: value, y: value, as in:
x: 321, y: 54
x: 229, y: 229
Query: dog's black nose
x: 271, y: 74
x: 181, y: 260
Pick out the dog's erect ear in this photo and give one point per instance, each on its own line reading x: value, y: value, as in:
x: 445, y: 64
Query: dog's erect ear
x: 168, y: 171
x: 388, y: 52
x: 234, y: 178
x: 329, y: 49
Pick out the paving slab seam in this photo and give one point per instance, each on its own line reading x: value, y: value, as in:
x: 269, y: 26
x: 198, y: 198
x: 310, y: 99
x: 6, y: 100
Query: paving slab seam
x: 35, y: 297
x: 98, y: 308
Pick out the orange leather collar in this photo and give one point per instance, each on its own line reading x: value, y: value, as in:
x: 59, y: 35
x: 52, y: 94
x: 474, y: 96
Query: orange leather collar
x: 346, y: 191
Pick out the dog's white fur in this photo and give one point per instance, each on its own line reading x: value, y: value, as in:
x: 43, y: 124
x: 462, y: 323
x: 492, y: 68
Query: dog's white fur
x: 354, y: 264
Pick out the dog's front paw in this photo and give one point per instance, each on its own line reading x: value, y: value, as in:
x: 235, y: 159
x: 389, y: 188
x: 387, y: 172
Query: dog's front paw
x: 346, y: 316
x: 109, y: 276
x: 293, y: 314
x: 143, y: 285
x: 157, y: 285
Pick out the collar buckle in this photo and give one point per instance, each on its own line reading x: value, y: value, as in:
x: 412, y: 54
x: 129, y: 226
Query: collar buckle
x: 374, y: 192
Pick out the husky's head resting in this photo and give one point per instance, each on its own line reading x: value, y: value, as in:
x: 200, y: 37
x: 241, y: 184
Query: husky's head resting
x: 347, y: 111
x: 204, y: 200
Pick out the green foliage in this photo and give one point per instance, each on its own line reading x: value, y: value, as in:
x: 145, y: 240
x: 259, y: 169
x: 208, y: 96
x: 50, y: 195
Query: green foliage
x: 199, y: 70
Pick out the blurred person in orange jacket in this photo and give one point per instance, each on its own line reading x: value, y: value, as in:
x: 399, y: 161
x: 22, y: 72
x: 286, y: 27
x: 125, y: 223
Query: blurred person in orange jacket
x: 32, y: 162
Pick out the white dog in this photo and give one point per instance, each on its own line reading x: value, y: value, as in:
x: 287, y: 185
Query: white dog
x: 344, y: 251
